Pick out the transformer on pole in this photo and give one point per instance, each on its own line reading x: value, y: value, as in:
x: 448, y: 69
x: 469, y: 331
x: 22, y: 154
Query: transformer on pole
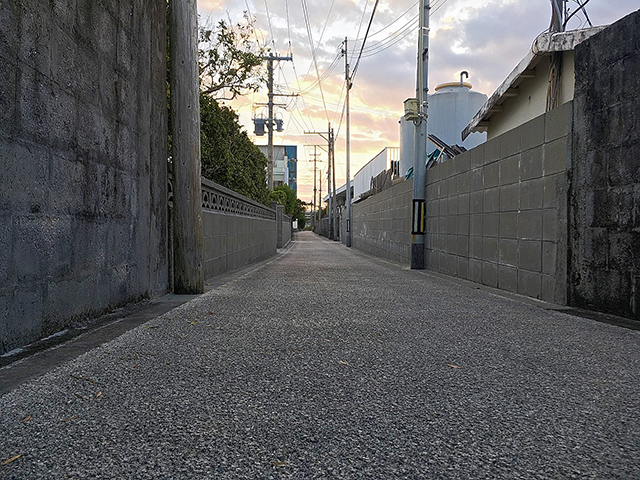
x: 271, y: 122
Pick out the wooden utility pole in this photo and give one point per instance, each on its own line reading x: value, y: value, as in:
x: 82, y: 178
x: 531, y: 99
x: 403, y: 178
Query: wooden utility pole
x: 185, y: 118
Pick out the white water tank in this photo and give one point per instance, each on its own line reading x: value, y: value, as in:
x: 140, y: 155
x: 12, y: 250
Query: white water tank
x: 450, y: 110
x: 407, y: 145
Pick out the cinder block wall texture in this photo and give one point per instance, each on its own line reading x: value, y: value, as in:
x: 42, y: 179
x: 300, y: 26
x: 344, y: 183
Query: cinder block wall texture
x: 550, y: 209
x: 83, y: 214
x: 604, y: 233
x: 284, y: 232
x: 497, y: 214
x: 237, y: 230
x: 381, y: 224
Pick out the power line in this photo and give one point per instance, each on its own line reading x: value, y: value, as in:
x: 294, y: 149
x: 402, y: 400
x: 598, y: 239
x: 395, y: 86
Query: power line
x: 364, y: 11
x: 355, y: 69
x: 273, y: 40
x: 305, y: 12
x: 396, y: 20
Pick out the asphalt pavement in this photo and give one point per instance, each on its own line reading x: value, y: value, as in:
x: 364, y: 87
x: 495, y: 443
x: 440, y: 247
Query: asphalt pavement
x: 327, y: 363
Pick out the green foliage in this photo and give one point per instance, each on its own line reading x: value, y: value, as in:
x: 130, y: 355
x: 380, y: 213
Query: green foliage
x: 230, y: 63
x: 229, y: 157
x: 294, y: 207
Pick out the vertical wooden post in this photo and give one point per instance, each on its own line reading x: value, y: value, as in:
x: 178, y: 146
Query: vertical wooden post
x: 185, y: 116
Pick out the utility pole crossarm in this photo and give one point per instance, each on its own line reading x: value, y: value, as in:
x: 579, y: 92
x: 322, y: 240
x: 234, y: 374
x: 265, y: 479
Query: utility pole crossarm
x: 270, y: 121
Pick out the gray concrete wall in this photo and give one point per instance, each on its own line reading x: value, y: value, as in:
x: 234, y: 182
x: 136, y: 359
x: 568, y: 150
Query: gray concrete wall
x: 322, y: 227
x: 382, y: 223
x: 237, y: 230
x: 604, y: 233
x: 284, y: 231
x: 497, y: 214
x: 83, y: 218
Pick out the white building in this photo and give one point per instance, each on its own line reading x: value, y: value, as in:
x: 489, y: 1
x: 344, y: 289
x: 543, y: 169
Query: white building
x: 285, y: 158
x: 524, y: 93
x: 449, y: 111
x: 382, y: 162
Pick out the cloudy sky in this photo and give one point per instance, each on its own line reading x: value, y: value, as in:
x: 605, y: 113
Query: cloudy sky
x: 487, y: 38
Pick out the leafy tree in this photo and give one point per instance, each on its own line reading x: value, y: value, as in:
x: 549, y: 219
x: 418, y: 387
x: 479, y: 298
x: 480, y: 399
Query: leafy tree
x: 294, y: 207
x: 230, y: 63
x: 229, y: 157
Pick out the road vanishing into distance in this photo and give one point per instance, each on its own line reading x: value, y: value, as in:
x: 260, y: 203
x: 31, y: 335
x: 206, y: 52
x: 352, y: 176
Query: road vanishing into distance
x: 326, y: 363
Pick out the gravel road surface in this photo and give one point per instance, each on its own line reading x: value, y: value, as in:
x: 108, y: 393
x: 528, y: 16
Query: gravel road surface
x: 326, y: 363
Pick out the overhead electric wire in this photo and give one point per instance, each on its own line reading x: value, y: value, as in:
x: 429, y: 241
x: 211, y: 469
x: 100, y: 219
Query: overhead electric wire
x: 273, y: 41
x: 436, y: 6
x: 390, y: 41
x: 364, y: 12
x: 409, y: 27
x: 326, y: 74
x: 396, y: 20
x: 286, y: 9
x: 305, y: 12
x: 364, y: 41
x: 581, y: 7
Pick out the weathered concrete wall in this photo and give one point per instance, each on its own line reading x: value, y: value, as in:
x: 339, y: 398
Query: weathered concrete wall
x: 83, y: 216
x: 497, y: 214
x: 550, y: 209
x: 237, y: 230
x: 604, y: 228
x: 382, y: 223
x: 284, y: 230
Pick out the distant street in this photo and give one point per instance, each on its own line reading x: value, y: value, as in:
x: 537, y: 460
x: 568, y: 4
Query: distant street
x: 326, y: 363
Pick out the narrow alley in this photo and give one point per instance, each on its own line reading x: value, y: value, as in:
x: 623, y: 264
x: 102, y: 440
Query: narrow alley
x: 327, y: 363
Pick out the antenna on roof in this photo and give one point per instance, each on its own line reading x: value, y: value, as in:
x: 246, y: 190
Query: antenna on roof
x: 581, y: 6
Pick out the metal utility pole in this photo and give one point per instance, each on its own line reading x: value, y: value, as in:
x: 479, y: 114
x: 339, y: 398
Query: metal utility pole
x: 185, y: 116
x: 348, y: 179
x: 315, y: 160
x: 319, y: 196
x: 271, y: 121
x: 419, y: 169
x: 329, y: 170
x: 328, y: 136
x: 334, y: 226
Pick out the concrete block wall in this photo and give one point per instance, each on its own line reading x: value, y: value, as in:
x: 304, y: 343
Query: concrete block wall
x: 83, y: 217
x: 497, y: 214
x: 604, y: 233
x: 284, y: 231
x: 382, y: 223
x: 237, y: 230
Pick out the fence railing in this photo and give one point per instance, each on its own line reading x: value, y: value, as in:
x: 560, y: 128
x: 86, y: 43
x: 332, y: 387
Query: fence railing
x: 221, y: 199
